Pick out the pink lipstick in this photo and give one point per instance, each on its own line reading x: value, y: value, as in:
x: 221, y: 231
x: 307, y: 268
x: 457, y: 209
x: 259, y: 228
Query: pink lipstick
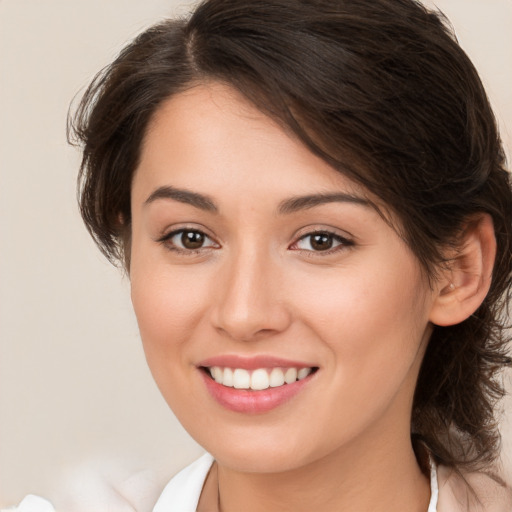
x: 256, y: 384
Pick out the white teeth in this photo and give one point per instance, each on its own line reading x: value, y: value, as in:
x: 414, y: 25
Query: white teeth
x: 290, y: 375
x: 217, y: 374
x: 303, y: 373
x: 259, y: 379
x: 276, y: 378
x: 228, y: 377
x: 241, y: 379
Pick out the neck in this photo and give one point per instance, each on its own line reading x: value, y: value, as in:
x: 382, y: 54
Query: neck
x: 359, y: 477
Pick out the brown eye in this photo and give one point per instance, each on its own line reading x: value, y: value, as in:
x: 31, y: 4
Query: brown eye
x: 321, y: 241
x: 184, y: 240
x: 192, y: 239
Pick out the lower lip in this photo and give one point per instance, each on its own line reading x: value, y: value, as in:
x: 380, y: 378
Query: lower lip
x: 253, y: 402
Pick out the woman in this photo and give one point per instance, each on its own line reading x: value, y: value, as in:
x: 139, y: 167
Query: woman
x: 311, y: 202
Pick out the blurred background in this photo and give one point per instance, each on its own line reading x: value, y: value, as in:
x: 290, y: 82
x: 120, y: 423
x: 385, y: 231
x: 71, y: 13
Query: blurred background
x: 74, y: 386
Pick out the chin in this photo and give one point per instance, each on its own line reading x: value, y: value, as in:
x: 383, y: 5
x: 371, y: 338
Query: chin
x: 259, y: 461
x: 257, y: 451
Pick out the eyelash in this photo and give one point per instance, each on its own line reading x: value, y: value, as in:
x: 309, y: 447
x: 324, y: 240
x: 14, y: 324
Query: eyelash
x: 342, y: 242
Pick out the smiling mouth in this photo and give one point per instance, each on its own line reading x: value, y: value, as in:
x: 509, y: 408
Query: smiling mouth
x: 258, y: 379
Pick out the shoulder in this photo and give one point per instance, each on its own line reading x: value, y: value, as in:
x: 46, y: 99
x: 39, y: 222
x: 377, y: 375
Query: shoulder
x: 31, y: 504
x: 472, y: 492
x: 85, y: 490
x: 91, y: 491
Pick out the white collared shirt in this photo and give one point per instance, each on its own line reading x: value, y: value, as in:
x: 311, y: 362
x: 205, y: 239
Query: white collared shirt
x: 182, y: 493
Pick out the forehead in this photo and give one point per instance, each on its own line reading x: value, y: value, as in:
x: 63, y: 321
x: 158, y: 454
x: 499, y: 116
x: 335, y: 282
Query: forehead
x: 210, y: 137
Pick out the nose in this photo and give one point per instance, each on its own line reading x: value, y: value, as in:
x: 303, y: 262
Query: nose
x: 250, y: 302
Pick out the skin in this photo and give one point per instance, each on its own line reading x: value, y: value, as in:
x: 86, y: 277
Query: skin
x: 360, y: 312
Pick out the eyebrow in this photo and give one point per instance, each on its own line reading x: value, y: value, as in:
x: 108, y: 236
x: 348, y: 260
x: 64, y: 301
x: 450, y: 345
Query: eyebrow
x: 183, y: 196
x: 295, y: 204
x: 287, y: 206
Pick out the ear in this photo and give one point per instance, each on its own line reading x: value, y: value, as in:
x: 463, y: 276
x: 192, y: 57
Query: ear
x: 463, y: 286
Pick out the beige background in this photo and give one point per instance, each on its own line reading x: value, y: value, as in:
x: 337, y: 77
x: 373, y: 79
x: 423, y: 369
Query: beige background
x: 74, y: 386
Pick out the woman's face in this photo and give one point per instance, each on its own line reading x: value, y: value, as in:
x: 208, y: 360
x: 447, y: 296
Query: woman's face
x: 256, y: 262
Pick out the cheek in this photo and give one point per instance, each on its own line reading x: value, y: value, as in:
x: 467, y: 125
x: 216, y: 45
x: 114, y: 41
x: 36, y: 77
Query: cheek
x: 371, y: 319
x: 169, y: 303
x: 372, y: 328
x: 355, y: 301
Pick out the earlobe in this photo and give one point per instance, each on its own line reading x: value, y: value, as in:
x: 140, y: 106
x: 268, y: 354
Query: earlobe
x: 465, y: 284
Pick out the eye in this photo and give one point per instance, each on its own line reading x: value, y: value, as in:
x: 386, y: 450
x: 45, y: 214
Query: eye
x: 321, y: 241
x: 185, y: 240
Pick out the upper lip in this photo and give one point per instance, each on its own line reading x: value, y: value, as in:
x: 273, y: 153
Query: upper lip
x: 253, y: 362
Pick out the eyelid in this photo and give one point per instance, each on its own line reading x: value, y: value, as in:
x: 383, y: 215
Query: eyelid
x: 171, y: 230
x: 322, y: 228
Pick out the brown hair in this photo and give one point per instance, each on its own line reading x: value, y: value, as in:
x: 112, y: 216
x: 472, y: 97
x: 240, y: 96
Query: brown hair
x: 382, y: 92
